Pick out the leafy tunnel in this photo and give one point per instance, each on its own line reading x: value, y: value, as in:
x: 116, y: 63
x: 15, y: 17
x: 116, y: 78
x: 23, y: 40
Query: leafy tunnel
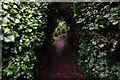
x: 31, y: 49
x: 59, y: 11
x: 56, y: 12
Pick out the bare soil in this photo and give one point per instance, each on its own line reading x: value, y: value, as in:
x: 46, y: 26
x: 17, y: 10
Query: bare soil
x: 60, y: 64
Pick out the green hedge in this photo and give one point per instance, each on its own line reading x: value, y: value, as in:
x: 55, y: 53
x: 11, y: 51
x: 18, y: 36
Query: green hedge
x: 23, y: 28
x: 98, y: 42
x: 97, y: 39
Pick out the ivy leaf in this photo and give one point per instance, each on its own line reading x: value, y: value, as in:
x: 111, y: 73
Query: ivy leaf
x: 102, y: 26
x: 24, y: 67
x: 6, y: 30
x: 9, y: 38
x: 114, y: 9
x: 17, y: 21
x: 1, y: 36
x: 115, y: 22
x: 101, y: 45
x: 5, y: 6
x: 107, y: 15
x: 18, y: 16
x: 14, y: 6
x: 29, y: 30
x: 6, y: 19
x: 6, y: 69
x: 4, y: 23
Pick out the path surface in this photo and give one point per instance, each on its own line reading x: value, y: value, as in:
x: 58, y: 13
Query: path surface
x: 60, y: 65
x: 60, y: 62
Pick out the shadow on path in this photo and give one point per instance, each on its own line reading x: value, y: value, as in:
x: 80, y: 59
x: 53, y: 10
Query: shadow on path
x: 59, y: 64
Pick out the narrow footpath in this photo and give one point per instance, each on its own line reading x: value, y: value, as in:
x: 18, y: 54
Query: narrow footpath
x: 60, y: 64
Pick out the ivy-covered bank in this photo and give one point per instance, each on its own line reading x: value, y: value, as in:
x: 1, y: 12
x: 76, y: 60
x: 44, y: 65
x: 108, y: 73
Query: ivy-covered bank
x: 23, y: 26
x: 97, y: 38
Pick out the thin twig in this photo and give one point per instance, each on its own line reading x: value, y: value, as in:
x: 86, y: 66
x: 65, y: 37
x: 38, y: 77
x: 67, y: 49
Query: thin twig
x: 106, y: 40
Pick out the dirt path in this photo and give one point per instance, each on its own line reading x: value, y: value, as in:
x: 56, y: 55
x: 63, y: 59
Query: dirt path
x: 60, y: 62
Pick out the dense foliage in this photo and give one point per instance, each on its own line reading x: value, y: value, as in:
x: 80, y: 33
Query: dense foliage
x: 98, y: 38
x: 94, y: 33
x: 23, y: 25
x: 61, y: 30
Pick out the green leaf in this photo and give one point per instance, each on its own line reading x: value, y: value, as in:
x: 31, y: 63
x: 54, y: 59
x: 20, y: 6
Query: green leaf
x: 4, y: 23
x: 115, y: 22
x: 102, y: 26
x: 5, y: 6
x: 93, y: 69
x: 9, y: 73
x: 6, y: 30
x: 1, y: 36
x: 29, y: 30
x: 9, y: 38
x: 6, y: 70
x: 6, y: 19
x: 24, y: 67
x: 17, y: 21
x: 107, y: 15
x: 18, y: 16
x: 34, y: 27
x: 101, y: 45
x: 29, y: 16
x: 114, y: 9
x: 14, y: 6
x: 12, y: 66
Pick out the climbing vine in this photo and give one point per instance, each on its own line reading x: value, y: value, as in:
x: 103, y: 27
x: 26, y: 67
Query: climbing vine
x: 98, y: 38
x: 23, y: 29
x: 94, y: 33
